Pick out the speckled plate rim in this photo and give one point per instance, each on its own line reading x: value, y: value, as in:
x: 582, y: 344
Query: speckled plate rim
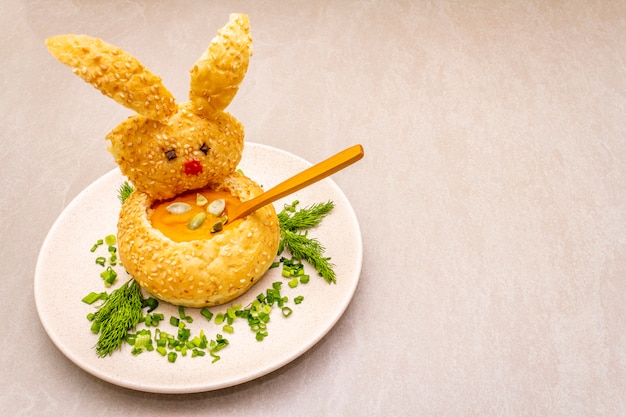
x: 66, y: 271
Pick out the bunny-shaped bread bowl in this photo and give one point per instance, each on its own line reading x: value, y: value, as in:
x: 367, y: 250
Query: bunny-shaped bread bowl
x: 181, y: 152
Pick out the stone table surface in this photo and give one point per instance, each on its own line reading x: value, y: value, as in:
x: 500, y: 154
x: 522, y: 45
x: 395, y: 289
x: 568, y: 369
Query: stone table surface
x: 491, y: 198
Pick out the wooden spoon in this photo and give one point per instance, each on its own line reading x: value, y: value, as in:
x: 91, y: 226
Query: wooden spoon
x: 305, y: 178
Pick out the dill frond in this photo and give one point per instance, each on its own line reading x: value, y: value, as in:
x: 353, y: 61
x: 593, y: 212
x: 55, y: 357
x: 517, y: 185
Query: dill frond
x: 298, y: 243
x: 291, y: 219
x: 125, y: 190
x: 120, y: 313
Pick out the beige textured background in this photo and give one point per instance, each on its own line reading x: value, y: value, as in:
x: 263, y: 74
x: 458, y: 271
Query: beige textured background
x: 492, y: 198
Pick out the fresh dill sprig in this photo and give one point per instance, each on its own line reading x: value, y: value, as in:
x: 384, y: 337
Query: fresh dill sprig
x: 292, y: 219
x: 119, y: 314
x: 125, y: 190
x: 301, y: 246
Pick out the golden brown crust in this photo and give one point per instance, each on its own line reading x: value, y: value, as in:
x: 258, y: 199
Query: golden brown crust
x: 115, y: 73
x: 203, y: 272
x: 216, y: 76
x: 140, y: 147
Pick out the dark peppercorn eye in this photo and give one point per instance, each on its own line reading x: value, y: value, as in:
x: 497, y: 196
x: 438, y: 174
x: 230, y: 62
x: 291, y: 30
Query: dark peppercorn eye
x: 205, y: 149
x: 170, y: 154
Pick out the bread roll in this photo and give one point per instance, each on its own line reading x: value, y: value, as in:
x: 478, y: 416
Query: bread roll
x: 199, y: 273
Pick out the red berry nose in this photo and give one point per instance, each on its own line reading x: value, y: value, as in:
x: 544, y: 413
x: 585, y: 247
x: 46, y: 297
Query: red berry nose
x: 193, y: 167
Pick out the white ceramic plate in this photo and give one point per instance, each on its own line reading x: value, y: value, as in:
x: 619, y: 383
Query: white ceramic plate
x: 66, y: 272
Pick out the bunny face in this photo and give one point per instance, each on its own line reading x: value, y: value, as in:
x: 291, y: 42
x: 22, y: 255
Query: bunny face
x: 185, y: 153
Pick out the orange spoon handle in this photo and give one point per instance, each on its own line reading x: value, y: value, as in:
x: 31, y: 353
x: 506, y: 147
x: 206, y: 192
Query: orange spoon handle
x: 305, y: 178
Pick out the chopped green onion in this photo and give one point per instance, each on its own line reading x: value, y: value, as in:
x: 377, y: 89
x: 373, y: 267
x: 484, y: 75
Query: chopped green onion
x: 183, y: 316
x: 101, y: 260
x: 109, y: 276
x: 96, y: 245
x: 197, y: 352
x: 298, y: 299
x: 92, y: 297
x: 171, y: 357
x: 151, y: 303
x: 95, y: 327
x: 206, y: 313
x: 183, y: 334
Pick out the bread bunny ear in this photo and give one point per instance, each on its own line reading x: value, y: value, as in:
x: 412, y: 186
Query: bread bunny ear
x: 216, y: 76
x: 115, y: 73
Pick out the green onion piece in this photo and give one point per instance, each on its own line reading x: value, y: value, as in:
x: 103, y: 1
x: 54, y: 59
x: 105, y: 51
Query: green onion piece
x: 96, y: 245
x: 110, y: 240
x: 95, y: 327
x: 92, y: 297
x: 228, y: 329
x: 151, y: 303
x: 206, y: 313
x: 197, y: 352
x: 183, y: 316
x: 219, y: 318
x: 298, y: 299
x: 109, y: 276
x: 171, y: 357
x: 293, y: 283
x: 231, y: 313
x: 287, y: 311
x: 184, y: 334
x: 174, y: 321
x: 101, y: 260
x: 131, y: 338
x: 264, y: 317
